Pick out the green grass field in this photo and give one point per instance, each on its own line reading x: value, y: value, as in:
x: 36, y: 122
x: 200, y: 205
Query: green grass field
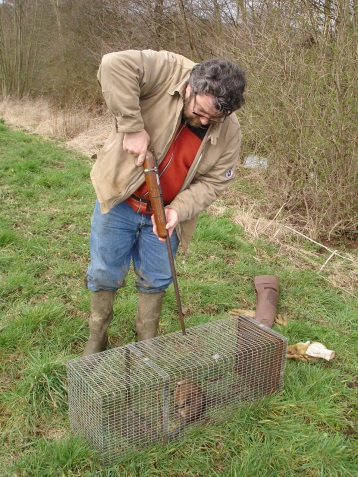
x: 307, y: 430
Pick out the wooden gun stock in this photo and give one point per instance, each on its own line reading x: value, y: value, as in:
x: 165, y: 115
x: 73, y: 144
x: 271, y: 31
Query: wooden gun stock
x: 155, y: 193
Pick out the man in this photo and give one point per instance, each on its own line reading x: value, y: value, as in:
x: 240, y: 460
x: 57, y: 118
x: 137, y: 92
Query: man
x: 184, y: 112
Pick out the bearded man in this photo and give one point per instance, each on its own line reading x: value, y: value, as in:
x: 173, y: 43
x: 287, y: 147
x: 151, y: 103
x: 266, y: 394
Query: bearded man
x: 185, y: 113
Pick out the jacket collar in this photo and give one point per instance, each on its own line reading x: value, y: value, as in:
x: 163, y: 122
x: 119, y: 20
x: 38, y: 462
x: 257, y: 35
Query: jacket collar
x: 179, y: 88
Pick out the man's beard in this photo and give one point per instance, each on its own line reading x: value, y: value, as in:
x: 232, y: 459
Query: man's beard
x: 188, y: 116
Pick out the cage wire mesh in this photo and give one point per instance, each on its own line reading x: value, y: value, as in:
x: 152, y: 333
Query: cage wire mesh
x: 127, y: 398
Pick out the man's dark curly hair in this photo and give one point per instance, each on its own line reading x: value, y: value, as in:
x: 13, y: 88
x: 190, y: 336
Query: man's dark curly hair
x: 222, y: 79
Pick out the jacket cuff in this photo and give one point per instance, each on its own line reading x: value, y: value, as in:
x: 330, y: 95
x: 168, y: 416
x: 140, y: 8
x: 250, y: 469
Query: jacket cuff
x: 128, y: 124
x: 181, y: 218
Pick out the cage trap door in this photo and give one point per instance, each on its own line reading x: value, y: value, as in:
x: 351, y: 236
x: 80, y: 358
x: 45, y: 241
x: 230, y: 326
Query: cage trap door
x: 261, y: 357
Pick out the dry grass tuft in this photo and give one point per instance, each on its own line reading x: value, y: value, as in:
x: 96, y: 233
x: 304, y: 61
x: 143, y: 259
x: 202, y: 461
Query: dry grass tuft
x: 82, y: 131
x: 338, y: 268
x: 25, y: 114
x: 91, y: 140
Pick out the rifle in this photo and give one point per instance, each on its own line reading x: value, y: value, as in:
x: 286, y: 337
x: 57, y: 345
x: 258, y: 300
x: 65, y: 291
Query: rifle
x: 157, y: 204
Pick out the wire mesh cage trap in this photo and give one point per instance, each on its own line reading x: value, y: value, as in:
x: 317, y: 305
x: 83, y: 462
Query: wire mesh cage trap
x: 127, y: 398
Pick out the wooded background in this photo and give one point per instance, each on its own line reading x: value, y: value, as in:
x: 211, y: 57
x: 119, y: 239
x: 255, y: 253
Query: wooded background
x: 301, y: 62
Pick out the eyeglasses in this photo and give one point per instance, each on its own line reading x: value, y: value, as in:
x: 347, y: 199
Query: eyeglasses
x: 218, y: 120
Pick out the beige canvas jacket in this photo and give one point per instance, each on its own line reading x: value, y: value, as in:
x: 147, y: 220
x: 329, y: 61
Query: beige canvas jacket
x: 144, y: 90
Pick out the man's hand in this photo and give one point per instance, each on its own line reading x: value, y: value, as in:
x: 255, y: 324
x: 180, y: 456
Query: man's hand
x: 172, y: 220
x: 137, y: 143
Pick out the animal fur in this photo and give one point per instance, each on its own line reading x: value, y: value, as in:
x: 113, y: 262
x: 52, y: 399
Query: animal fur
x: 189, y: 401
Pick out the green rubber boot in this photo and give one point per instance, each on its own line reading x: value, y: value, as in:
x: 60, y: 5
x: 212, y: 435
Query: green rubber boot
x: 148, y: 314
x: 101, y: 316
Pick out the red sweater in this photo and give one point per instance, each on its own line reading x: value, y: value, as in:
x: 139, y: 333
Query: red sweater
x: 172, y: 170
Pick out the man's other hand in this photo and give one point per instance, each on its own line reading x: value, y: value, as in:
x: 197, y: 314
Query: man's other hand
x: 172, y: 220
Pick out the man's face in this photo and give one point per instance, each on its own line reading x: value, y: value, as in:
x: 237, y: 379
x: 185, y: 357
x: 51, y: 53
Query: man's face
x: 202, y: 104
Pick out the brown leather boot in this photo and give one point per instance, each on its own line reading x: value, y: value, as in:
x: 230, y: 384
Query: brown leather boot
x: 148, y: 314
x: 101, y: 316
x: 266, y: 288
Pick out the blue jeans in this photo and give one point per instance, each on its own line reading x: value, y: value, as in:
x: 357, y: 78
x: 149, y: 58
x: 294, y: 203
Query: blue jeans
x: 120, y: 236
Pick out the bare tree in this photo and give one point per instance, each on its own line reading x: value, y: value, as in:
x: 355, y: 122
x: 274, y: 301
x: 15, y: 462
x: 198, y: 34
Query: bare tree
x: 20, y: 44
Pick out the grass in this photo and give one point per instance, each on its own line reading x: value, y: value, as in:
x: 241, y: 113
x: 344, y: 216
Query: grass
x: 308, y: 430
